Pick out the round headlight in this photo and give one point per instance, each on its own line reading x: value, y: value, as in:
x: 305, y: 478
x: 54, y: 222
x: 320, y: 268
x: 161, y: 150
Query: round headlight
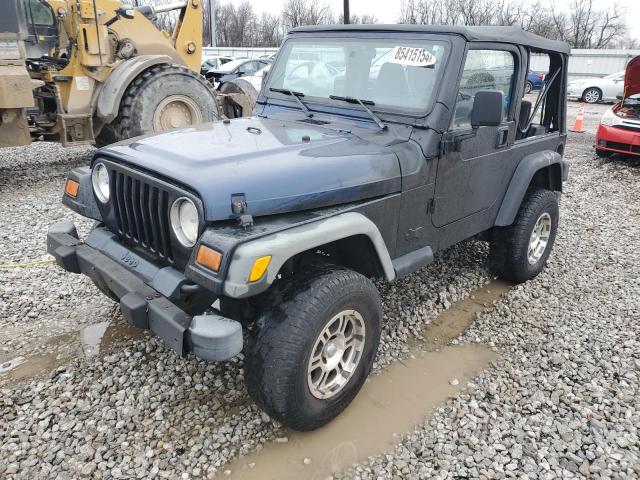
x: 100, y: 181
x: 184, y: 221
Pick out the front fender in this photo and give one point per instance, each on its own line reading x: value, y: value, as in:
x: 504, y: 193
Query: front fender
x: 115, y: 86
x: 522, y: 179
x: 285, y: 244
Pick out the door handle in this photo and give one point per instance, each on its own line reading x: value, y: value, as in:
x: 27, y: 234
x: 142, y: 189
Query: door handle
x: 502, y: 136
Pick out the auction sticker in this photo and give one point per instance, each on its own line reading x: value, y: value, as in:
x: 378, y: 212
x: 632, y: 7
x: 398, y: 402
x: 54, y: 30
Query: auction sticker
x: 413, y: 56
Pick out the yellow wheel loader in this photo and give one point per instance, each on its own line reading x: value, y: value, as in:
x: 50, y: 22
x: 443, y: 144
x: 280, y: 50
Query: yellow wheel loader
x: 102, y: 72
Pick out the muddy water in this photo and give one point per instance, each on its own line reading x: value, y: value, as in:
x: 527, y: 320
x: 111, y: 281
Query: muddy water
x: 96, y: 339
x: 389, y: 405
x: 456, y: 319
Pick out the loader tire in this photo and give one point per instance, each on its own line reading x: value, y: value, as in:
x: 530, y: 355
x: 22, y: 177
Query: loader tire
x: 162, y: 97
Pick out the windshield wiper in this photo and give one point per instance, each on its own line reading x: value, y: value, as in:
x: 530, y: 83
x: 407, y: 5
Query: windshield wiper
x: 363, y: 104
x: 295, y: 95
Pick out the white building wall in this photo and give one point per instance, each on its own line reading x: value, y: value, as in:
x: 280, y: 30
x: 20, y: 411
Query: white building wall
x: 590, y: 62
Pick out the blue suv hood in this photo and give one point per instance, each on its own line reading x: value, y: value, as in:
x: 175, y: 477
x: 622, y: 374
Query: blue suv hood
x: 267, y: 160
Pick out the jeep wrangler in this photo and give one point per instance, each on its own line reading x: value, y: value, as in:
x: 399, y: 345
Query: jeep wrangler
x: 371, y: 148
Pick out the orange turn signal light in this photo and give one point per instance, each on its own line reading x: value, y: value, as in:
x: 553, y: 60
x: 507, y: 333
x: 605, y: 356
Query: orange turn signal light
x: 208, y: 257
x: 71, y: 188
x: 259, y: 267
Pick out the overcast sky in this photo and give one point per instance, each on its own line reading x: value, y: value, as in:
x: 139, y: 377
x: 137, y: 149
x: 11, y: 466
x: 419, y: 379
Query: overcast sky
x: 387, y: 11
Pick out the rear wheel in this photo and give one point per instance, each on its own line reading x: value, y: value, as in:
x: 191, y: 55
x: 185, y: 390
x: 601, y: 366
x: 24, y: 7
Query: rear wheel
x: 592, y: 95
x: 314, y: 347
x: 161, y: 98
x: 520, y: 251
x: 528, y: 87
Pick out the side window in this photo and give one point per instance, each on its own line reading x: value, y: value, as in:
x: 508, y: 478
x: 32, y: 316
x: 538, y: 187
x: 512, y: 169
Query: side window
x: 484, y: 70
x: 249, y: 67
x: 39, y: 14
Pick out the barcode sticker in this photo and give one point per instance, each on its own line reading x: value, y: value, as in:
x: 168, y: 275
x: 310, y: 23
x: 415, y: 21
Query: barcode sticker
x: 82, y: 83
x: 413, y: 56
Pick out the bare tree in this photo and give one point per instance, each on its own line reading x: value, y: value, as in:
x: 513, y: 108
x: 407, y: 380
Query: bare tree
x: 305, y: 12
x: 365, y: 19
x: 269, y: 31
x: 581, y: 24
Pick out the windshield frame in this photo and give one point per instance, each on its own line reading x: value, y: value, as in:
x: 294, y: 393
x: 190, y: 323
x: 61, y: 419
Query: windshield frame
x: 389, y: 113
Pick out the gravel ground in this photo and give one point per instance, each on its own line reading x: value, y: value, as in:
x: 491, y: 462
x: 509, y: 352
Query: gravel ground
x: 562, y: 401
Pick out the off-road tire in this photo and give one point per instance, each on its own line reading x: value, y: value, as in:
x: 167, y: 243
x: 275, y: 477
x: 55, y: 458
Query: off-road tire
x: 591, y: 99
x: 144, y: 94
x: 603, y: 153
x: 508, y: 245
x: 278, y: 350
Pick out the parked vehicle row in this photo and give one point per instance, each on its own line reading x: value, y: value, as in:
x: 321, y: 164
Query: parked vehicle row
x: 219, y: 69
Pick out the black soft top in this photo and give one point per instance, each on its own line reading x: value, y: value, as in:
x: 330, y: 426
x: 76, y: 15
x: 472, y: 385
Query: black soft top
x: 513, y: 35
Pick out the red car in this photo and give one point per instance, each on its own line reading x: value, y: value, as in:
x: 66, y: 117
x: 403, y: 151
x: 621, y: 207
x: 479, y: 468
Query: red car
x: 619, y: 130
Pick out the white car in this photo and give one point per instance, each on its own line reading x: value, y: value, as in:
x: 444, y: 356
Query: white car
x: 593, y: 90
x: 213, y: 62
x: 256, y: 78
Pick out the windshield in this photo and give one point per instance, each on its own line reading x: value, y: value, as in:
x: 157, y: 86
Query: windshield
x: 394, y: 74
x: 614, y: 75
x: 229, y: 66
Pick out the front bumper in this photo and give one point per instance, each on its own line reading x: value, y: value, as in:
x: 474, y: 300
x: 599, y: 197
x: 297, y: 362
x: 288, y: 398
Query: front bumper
x: 575, y: 92
x: 144, y: 291
x: 619, y: 140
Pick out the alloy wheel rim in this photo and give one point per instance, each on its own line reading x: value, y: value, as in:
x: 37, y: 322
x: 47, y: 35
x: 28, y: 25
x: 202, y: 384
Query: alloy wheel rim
x: 539, y: 238
x: 176, y: 111
x: 336, y: 354
x: 591, y: 96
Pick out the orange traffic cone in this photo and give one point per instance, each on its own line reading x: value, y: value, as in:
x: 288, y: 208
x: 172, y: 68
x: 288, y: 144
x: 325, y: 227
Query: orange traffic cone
x: 578, y: 125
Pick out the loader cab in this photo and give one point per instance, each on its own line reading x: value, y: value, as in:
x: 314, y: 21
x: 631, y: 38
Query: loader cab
x: 42, y: 27
x: 12, y: 23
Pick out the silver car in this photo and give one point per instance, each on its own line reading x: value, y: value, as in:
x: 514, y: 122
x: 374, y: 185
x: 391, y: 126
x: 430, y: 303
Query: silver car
x: 597, y: 89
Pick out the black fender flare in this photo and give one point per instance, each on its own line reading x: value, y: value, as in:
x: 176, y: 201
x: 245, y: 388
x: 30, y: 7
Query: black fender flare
x: 521, y: 180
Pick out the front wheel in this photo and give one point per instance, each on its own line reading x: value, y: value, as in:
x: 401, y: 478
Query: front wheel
x: 603, y: 153
x: 313, y: 349
x: 592, y: 95
x: 520, y: 251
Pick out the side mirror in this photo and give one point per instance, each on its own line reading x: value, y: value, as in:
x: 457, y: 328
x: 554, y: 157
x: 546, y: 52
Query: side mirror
x: 487, y: 109
x: 240, y: 72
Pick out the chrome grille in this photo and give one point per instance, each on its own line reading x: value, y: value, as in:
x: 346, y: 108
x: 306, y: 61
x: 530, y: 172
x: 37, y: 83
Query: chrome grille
x: 142, y: 213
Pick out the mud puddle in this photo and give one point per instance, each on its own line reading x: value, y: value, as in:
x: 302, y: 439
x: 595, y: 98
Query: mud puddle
x: 95, y: 339
x: 389, y: 405
x: 454, y: 321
